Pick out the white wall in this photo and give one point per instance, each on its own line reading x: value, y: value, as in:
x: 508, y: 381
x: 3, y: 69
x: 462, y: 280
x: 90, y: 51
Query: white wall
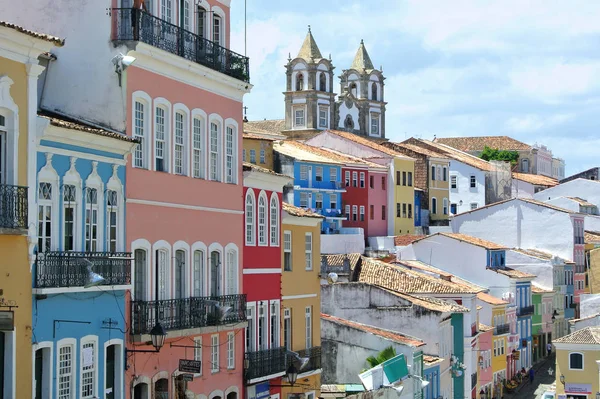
x: 463, y: 191
x: 382, y: 243
x: 582, y: 188
x: 542, y: 269
x: 564, y: 202
x: 517, y: 224
x: 342, y: 243
x: 590, y: 304
x: 521, y: 189
x: 81, y: 82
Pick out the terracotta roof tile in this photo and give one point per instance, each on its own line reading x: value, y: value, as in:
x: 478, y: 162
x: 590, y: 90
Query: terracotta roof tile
x: 592, y: 237
x: 352, y: 160
x: 49, y: 38
x: 406, y: 239
x: 247, y: 166
x: 430, y: 359
x: 303, y: 152
x: 66, y: 123
x: 458, y: 155
x: 537, y: 180
x: 581, y: 201
x: 484, y: 328
x: 408, y: 281
x: 492, y: 300
x: 428, y: 302
x: 368, y: 143
x: 588, y: 335
x: 300, y: 212
x: 414, y: 148
x: 380, y: 332
x: 513, y: 273
x: 479, y: 143
x: 539, y: 290
x: 254, y: 136
x: 273, y: 126
x: 536, y: 253
x: 339, y: 259
x: 444, y: 275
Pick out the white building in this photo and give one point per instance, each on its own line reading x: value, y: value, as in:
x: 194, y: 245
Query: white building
x: 589, y: 190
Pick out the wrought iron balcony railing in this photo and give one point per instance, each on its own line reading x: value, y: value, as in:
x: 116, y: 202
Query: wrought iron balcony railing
x: 314, y: 356
x: 502, y: 329
x: 176, y: 40
x: 13, y: 207
x: 265, y: 362
x: 184, y: 313
x: 525, y: 310
x: 70, y: 269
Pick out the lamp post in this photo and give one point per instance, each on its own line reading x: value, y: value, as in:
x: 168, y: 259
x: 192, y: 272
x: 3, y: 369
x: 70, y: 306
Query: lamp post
x: 292, y: 374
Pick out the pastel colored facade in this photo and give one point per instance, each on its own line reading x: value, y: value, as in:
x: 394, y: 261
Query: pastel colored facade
x: 81, y: 229
x: 377, y: 223
x: 485, y: 382
x: 577, y: 363
x: 356, y: 146
x: 257, y: 150
x: 19, y: 71
x: 301, y: 295
x: 541, y: 321
x: 404, y: 196
x: 262, y: 268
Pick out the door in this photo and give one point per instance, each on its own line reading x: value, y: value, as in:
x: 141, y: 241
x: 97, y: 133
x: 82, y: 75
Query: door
x: 39, y: 368
x: 109, y: 389
x: 310, y: 176
x: 179, y: 274
x: 141, y: 391
x: 215, y: 286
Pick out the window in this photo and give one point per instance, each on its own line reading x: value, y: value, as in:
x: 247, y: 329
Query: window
x: 198, y: 274
x: 433, y: 172
x: 398, y: 210
x: 354, y: 179
x: 473, y: 181
x: 371, y: 212
x: 70, y: 209
x: 140, y: 275
x: 404, y: 178
x: 287, y: 251
x: 362, y: 213
x: 66, y: 378
x: 262, y: 325
x: 250, y: 333
x: 299, y: 83
x: 362, y: 179
x: 333, y: 201
x: 303, y: 172
x: 308, y: 251
x: 444, y: 173
x: 374, y: 124
x: 230, y: 170
x: 445, y: 206
x: 274, y: 220
x: 287, y: 329
x: 186, y: 15
x: 354, y: 213
x: 319, y: 201
x: 409, y: 211
x: 439, y: 173
x: 111, y: 220
x: 303, y: 200
x: 322, y: 82
x: 198, y: 148
x: 403, y: 210
x: 383, y: 182
x: 217, y: 29
x: 262, y: 157
x: 374, y: 91
x: 88, y: 370
x: 453, y: 182
x: 91, y: 220
x: 410, y: 177
x: 474, y: 205
x: 200, y: 23
x: 231, y: 273
x: 575, y: 361
x: 250, y: 232
x: 371, y: 182
x: 308, y: 324
x: 244, y: 155
x: 398, y: 178
x: 139, y: 160
x: 347, y: 178
x: 253, y: 156
x: 434, y: 205
x: 198, y: 350
x: 525, y: 165
x: 382, y: 212
x: 332, y: 174
x: 167, y: 10
x: 347, y: 211
x: 160, y: 135
x: 319, y: 173
x: 299, y: 117
x: 274, y: 324
x: 322, y: 116
x: 215, y: 152
x: 262, y: 220
x: 230, y: 350
x: 214, y: 354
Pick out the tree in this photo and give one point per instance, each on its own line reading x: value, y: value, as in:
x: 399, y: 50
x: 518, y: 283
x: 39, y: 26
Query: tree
x: 386, y: 354
x: 494, y: 154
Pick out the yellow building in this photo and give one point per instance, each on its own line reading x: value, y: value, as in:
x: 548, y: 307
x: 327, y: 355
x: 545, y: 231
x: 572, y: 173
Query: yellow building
x: 592, y: 261
x: 258, y: 150
x: 577, y: 356
x: 19, y: 71
x: 404, y: 195
x: 301, y: 296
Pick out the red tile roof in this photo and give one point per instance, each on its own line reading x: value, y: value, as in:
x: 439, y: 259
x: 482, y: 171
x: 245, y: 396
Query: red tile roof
x: 49, y: 38
x: 537, y: 180
x: 479, y: 143
x: 492, y: 300
x: 406, y: 239
x: 67, y: 123
x: 474, y: 240
x: 379, y: 332
x: 513, y: 273
x: 300, y: 212
x: 367, y: 143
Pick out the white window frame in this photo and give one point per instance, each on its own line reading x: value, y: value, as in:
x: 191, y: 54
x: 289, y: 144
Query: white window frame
x: 319, y: 173
x: 215, y: 164
x: 362, y: 213
x: 299, y: 117
x: 198, y: 353
x: 165, y: 107
x: 231, y: 270
x: 274, y: 220
x: 93, y: 208
x: 47, y: 208
x: 333, y: 201
x: 582, y: 361
x: 308, y: 251
x: 262, y: 222
x: 287, y: 328
x: 166, y: 10
x: 214, y: 353
x: 72, y: 343
x: 374, y: 131
x: 323, y: 117
x: 141, y: 153
x: 332, y: 174
x: 230, y: 350
x: 303, y: 172
x: 93, y: 340
x: 473, y: 206
x: 308, y: 327
x: 354, y: 213
x: 251, y: 329
x: 250, y: 217
x: 198, y: 271
x: 319, y: 200
x: 362, y: 180
x: 274, y: 326
x: 304, y: 200
x: 287, y: 249
x: 110, y: 209
x: 354, y: 179
x: 347, y: 211
x: 231, y: 154
x: 180, y: 139
x: 218, y: 30
x: 198, y: 144
x: 454, y: 182
x: 347, y: 178
x: 262, y: 326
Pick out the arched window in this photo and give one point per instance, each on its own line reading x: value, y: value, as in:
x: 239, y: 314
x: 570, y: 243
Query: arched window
x: 198, y: 148
x: 348, y: 122
x: 299, y: 82
x: 434, y: 205
x: 91, y: 219
x: 525, y: 165
x: 161, y: 389
x: 230, y: 167
x: 262, y: 220
x: 232, y: 395
x: 250, y: 230
x: 231, y: 272
x: 199, y: 273
x: 162, y: 258
x: 353, y: 89
x: 215, y: 273
x: 322, y: 82
x: 140, y: 275
x: 139, y: 132
x: 112, y: 220
x: 179, y: 274
x: 70, y: 216
x: 215, y: 152
x: 374, y: 91
x: 180, y: 151
x: 141, y: 391
x: 274, y: 220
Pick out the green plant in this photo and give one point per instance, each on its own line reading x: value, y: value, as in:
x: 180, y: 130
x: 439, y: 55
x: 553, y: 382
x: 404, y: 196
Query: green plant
x: 386, y: 354
x: 494, y: 154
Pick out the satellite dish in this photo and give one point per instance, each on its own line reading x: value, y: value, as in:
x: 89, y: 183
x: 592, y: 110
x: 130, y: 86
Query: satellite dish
x: 332, y: 278
x: 94, y: 279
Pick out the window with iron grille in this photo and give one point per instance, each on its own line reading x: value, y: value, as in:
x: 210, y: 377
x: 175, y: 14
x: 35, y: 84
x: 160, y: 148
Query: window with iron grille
x: 65, y: 372
x: 70, y: 210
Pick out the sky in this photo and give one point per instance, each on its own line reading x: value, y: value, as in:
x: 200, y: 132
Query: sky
x: 524, y: 68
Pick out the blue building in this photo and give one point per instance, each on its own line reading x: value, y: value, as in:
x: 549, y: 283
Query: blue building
x: 317, y: 178
x: 570, y: 288
x: 525, y: 311
x: 431, y: 373
x: 81, y: 272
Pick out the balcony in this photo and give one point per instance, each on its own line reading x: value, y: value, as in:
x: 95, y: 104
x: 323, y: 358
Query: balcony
x: 525, y: 311
x: 502, y: 329
x: 314, y: 355
x: 573, y: 305
x: 13, y: 207
x: 265, y: 363
x: 70, y: 269
x: 330, y: 213
x: 175, y: 40
x: 184, y: 313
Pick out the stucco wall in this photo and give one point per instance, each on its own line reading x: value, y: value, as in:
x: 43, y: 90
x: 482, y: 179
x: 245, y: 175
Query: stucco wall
x: 257, y: 146
x: 583, y: 188
x: 542, y: 269
x: 464, y: 195
x: 377, y: 226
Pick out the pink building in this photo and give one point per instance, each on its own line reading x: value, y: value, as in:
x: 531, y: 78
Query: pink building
x: 484, y: 361
x: 185, y: 200
x: 377, y: 200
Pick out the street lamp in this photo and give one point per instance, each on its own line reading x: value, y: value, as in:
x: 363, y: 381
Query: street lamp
x: 292, y: 374
x: 158, y: 335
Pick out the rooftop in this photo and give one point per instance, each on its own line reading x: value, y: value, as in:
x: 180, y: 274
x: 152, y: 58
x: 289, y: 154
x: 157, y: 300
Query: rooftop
x: 592, y: 237
x: 458, y: 155
x: 536, y: 253
x: 539, y: 290
x: 421, y: 266
x: 430, y: 360
x: 300, y: 212
x: 581, y: 201
x: 340, y: 258
x: 587, y: 335
x: 513, y: 273
x: 492, y: 300
x: 479, y: 143
x: 42, y: 36
x: 309, y: 50
x: 527, y: 200
x: 406, y: 239
x: 473, y: 240
x: 254, y: 136
x: 349, y: 159
x: 536, y: 180
x: 368, y: 143
x: 484, y: 327
x: 269, y: 127
x: 247, y: 166
x: 362, y: 61
x: 414, y: 148
x: 68, y: 123
x: 306, y: 153
x: 379, y: 332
